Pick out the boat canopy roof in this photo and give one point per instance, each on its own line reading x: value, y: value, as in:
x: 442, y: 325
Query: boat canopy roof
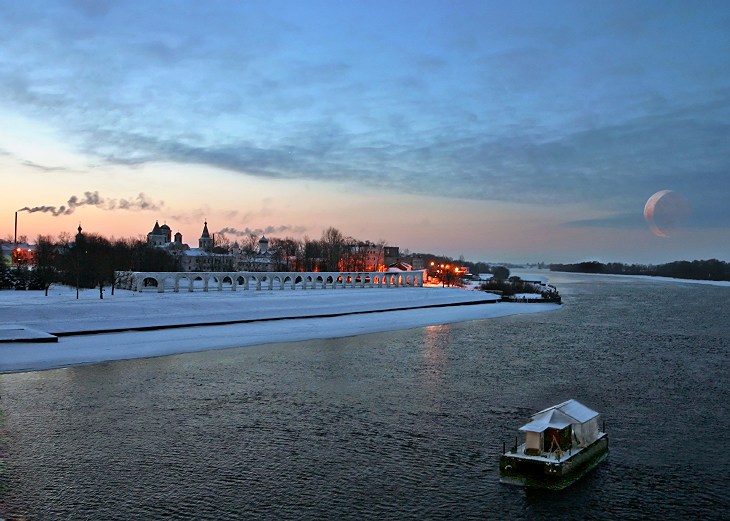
x: 549, y: 419
x: 559, y: 416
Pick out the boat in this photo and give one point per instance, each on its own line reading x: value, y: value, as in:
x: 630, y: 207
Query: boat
x: 562, y: 443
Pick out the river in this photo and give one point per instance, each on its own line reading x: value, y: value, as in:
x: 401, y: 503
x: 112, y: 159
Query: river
x: 400, y: 425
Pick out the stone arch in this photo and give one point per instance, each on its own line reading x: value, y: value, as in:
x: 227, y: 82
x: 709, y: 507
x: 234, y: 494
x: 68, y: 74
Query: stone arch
x: 149, y: 282
x: 184, y: 281
x: 165, y: 281
x: 206, y: 281
x: 267, y: 282
x: 277, y: 282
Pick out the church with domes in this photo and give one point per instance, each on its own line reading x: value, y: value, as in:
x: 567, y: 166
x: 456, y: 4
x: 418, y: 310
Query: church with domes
x: 203, y: 258
x: 160, y: 235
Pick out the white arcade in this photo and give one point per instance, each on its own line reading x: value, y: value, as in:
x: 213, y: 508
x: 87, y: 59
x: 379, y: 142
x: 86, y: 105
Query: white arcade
x: 248, y: 280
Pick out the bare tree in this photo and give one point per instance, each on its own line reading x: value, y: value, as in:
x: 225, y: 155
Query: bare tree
x: 250, y: 243
x: 312, y: 255
x: 286, y: 252
x: 222, y: 244
x: 44, y: 262
x: 500, y: 273
x: 379, y: 259
x: 332, y: 246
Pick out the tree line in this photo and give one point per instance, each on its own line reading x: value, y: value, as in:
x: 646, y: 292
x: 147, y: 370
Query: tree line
x: 711, y: 269
x: 333, y: 251
x: 88, y: 262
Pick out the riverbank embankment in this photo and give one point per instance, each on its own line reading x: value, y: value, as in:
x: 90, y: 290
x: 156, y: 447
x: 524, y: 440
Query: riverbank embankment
x: 138, y: 325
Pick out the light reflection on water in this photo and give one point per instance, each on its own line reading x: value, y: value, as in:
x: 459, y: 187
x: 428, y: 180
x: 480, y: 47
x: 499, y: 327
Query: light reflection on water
x: 402, y: 425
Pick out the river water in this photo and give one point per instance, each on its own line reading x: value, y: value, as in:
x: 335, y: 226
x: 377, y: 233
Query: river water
x: 401, y: 425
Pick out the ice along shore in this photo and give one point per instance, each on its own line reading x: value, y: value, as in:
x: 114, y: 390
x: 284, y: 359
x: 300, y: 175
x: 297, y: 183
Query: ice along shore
x: 138, y: 325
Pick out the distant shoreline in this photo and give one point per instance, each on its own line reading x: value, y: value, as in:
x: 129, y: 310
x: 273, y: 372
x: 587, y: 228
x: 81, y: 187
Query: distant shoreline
x: 711, y: 270
x: 655, y: 278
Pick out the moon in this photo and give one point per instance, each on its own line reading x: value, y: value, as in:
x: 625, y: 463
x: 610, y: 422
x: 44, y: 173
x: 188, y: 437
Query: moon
x: 665, y: 211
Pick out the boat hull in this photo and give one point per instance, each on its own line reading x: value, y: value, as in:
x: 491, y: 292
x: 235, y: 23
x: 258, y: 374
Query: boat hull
x: 515, y: 469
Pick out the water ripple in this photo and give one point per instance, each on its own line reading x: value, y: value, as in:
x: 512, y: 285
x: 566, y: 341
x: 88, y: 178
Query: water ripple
x: 402, y: 425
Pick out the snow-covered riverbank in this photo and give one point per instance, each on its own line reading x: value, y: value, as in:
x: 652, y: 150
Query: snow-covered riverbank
x: 262, y: 316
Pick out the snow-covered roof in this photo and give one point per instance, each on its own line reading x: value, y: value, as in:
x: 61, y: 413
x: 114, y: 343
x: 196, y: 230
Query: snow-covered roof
x: 547, y: 419
x: 577, y: 410
x: 400, y: 266
x: 195, y: 252
x: 571, y: 411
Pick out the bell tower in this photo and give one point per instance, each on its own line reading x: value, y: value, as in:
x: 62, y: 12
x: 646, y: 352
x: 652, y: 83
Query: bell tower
x: 205, y: 242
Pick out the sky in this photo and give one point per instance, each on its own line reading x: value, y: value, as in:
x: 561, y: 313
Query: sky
x: 497, y: 131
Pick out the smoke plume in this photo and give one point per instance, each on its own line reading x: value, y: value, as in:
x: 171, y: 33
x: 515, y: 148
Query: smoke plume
x: 141, y: 202
x: 260, y: 231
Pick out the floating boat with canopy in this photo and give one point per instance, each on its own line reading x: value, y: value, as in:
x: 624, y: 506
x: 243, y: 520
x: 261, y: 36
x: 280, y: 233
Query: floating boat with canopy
x: 562, y: 443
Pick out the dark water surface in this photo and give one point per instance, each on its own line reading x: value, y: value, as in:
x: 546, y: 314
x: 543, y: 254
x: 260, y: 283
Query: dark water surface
x: 403, y: 425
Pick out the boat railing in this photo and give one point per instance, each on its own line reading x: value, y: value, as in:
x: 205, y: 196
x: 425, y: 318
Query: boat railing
x: 556, y: 455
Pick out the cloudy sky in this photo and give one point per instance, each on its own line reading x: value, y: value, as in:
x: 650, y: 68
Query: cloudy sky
x: 500, y: 131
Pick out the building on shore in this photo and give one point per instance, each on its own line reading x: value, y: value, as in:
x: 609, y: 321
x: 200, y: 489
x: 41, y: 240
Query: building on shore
x: 391, y: 255
x: 16, y: 254
x: 260, y: 260
x: 206, y: 257
x: 160, y: 235
x: 362, y: 256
